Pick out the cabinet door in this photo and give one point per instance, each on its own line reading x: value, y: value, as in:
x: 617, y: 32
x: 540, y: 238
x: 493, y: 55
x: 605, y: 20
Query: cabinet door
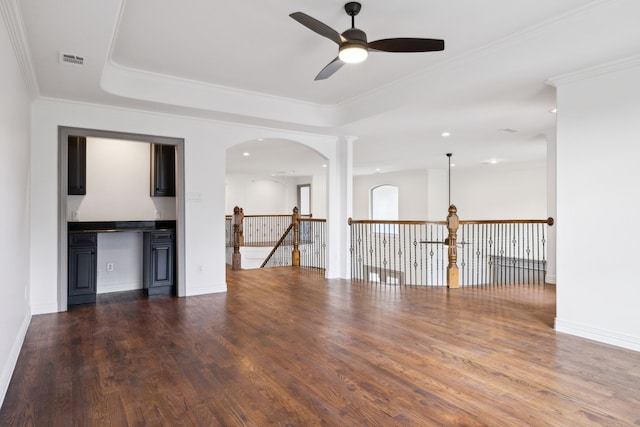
x: 82, y: 275
x: 163, y: 170
x: 77, y: 165
x: 162, y: 264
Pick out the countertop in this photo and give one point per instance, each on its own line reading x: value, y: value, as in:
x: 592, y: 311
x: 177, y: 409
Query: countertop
x: 115, y: 226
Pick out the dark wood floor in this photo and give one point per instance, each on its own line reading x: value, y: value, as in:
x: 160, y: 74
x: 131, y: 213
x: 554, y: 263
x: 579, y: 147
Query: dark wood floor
x: 287, y: 347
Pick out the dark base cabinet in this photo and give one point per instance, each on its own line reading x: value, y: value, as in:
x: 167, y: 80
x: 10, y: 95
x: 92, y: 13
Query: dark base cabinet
x: 82, y: 260
x: 158, y: 257
x: 159, y: 261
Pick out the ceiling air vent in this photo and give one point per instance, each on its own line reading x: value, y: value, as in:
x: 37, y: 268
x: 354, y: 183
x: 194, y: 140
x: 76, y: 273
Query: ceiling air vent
x: 67, y: 58
x: 508, y: 130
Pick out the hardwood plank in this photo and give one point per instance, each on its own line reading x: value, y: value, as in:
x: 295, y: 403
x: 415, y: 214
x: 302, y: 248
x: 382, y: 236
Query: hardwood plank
x: 284, y: 346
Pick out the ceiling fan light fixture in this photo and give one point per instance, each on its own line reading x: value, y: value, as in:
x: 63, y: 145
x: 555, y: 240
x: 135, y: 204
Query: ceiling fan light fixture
x: 353, y: 53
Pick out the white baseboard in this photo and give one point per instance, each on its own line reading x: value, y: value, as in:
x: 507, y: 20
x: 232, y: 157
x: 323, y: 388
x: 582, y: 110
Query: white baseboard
x: 8, y: 368
x: 550, y: 278
x: 118, y: 287
x: 596, y: 334
x: 44, y: 308
x: 202, y: 290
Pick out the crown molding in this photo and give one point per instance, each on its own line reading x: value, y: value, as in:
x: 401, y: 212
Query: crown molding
x: 18, y: 36
x: 598, y: 70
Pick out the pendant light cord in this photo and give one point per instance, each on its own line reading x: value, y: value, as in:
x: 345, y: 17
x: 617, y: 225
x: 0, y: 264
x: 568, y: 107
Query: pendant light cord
x: 449, y: 156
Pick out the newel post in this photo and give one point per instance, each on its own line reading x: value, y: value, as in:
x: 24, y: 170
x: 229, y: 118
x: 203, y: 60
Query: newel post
x: 295, y: 254
x: 236, y: 260
x: 452, y: 269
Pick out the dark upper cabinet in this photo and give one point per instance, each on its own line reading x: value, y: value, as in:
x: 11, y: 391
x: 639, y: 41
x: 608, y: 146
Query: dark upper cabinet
x: 163, y: 170
x: 77, y: 166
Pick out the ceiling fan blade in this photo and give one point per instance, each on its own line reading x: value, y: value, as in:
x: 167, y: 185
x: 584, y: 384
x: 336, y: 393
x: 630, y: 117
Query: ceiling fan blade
x: 407, y: 45
x: 329, y: 69
x: 318, y: 27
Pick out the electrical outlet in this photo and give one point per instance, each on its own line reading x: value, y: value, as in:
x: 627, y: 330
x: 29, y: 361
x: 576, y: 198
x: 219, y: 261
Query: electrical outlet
x: 109, y: 266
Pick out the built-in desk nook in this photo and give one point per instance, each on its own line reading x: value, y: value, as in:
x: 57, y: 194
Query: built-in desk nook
x: 158, y: 256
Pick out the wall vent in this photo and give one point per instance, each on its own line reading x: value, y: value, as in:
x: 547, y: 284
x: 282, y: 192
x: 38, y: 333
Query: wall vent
x: 508, y: 130
x: 67, y: 58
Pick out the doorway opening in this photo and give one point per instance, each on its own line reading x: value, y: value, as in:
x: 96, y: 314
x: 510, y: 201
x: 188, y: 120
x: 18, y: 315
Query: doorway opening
x: 304, y: 199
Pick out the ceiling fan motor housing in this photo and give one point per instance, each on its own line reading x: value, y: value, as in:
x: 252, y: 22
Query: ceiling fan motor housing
x: 355, y: 48
x: 355, y: 36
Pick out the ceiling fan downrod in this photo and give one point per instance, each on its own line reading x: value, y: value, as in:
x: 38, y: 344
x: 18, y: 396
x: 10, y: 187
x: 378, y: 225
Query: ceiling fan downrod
x: 352, y: 8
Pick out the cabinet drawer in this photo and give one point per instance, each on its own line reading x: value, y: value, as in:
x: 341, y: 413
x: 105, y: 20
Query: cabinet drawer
x: 83, y: 239
x: 161, y: 236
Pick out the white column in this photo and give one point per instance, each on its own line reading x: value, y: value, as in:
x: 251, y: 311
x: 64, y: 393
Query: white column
x: 551, y: 205
x: 340, y: 208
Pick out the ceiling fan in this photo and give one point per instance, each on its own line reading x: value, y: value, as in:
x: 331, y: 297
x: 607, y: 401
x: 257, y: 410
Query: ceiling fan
x: 353, y: 45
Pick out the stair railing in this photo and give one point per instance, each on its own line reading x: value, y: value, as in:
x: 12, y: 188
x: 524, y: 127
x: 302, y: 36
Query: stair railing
x: 452, y: 252
x: 298, y: 240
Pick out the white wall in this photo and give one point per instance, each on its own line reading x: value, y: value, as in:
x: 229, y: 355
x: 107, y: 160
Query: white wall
x: 124, y: 251
x: 488, y: 192
x: 118, y: 185
x: 14, y: 210
x: 500, y: 192
x: 319, y: 196
x: 259, y: 195
x: 412, y: 193
x: 277, y: 195
x: 598, y: 203
x: 205, y: 144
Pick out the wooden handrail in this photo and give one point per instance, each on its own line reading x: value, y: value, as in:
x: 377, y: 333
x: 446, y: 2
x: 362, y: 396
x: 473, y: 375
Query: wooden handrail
x: 262, y: 216
x: 376, y: 221
x: 277, y: 245
x: 313, y: 220
x: 548, y: 221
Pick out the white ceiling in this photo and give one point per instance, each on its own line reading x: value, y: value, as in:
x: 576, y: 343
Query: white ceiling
x: 249, y: 62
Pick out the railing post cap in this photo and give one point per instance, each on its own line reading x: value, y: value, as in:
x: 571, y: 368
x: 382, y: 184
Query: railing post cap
x: 349, y: 220
x: 550, y: 221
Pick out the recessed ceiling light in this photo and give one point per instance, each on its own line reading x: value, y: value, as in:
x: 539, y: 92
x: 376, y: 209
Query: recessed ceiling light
x: 453, y: 165
x: 446, y: 134
x: 493, y: 161
x: 377, y: 169
x: 246, y: 153
x: 553, y: 110
x: 324, y: 166
x: 260, y: 139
